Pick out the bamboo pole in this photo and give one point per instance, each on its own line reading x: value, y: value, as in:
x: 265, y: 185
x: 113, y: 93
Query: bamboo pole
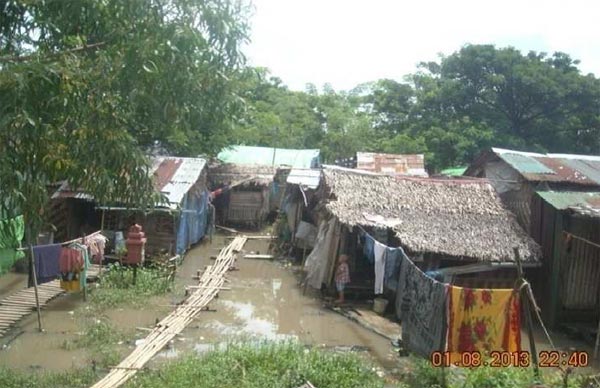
x: 35, y: 286
x: 528, y: 319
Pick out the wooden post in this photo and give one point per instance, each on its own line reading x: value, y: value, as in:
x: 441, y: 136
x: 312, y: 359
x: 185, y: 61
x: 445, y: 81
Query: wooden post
x: 101, y: 230
x: 35, y: 287
x: 597, y: 345
x: 528, y: 319
x: 85, y: 267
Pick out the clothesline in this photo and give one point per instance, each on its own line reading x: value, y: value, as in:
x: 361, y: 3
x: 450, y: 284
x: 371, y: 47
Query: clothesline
x: 404, y: 254
x: 79, y: 239
x: 582, y: 239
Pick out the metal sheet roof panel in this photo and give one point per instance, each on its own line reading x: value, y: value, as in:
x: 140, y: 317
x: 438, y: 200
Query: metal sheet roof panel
x: 173, y: 177
x: 526, y: 164
x: 562, y: 200
x: 306, y: 178
x: 187, y: 172
x: 267, y: 156
x: 567, y: 168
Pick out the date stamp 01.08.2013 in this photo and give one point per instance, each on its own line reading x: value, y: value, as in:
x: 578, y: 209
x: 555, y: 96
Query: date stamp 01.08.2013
x: 553, y: 358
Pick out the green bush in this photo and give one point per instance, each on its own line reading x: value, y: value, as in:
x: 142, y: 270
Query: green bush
x: 263, y: 365
x: 117, y: 286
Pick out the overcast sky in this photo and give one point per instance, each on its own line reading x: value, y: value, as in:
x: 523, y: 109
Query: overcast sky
x: 353, y: 41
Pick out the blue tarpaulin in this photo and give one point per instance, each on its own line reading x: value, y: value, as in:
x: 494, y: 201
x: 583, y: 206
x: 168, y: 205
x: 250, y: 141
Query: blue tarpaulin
x: 193, y: 220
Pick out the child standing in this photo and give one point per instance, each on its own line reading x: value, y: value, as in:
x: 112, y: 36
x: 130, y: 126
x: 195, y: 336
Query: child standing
x: 342, y: 277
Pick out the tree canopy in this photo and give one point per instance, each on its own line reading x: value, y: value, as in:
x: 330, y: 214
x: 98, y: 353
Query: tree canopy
x: 477, y: 97
x: 88, y: 87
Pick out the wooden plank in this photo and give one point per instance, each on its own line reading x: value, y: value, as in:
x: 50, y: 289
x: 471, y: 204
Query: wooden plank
x: 230, y: 230
x: 252, y: 256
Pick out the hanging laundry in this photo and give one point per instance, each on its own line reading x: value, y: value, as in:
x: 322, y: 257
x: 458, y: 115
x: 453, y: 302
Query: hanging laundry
x: 368, y: 246
x: 46, y: 259
x: 379, y: 253
x: 96, y: 244
x: 71, y: 265
x: 71, y: 260
x: 483, y: 320
x: 86, y: 263
x: 393, y: 261
x: 420, y: 303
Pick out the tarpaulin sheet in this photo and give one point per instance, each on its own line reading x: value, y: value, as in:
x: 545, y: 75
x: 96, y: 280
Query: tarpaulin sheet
x: 193, y: 221
x: 11, y: 233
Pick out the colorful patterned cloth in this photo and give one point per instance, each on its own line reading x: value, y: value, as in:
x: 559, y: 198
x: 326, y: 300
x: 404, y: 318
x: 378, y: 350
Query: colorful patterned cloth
x: 483, y: 320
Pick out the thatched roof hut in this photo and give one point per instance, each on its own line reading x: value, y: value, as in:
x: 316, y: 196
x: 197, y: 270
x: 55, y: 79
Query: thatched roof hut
x: 227, y: 173
x: 461, y: 219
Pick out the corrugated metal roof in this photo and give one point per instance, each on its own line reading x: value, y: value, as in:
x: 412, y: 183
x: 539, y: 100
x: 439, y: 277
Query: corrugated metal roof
x: 391, y: 163
x: 173, y: 177
x: 64, y: 191
x: 526, y: 164
x: 306, y: 178
x: 578, y: 169
x: 562, y: 200
x: 266, y: 156
x: 187, y: 172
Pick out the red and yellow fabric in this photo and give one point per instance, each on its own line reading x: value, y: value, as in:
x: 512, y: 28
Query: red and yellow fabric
x: 483, y: 320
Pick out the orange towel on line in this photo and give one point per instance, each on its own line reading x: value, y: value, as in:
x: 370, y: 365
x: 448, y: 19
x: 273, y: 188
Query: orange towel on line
x: 483, y: 320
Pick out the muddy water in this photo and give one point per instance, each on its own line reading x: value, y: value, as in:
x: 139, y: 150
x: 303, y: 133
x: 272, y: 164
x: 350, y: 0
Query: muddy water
x: 265, y: 302
x: 36, y: 350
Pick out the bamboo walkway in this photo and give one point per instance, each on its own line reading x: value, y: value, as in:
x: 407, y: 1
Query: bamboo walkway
x: 17, y: 306
x: 210, y: 283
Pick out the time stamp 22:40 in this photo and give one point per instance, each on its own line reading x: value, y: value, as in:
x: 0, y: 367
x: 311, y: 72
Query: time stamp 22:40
x: 522, y: 359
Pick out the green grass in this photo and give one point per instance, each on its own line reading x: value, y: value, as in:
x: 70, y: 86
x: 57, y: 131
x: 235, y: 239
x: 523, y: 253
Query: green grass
x: 424, y: 375
x: 117, y: 287
x: 263, y: 365
x: 101, y: 340
x: 10, y: 378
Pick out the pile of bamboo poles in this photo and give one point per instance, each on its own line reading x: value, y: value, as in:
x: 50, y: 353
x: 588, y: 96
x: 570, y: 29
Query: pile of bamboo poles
x: 210, y: 283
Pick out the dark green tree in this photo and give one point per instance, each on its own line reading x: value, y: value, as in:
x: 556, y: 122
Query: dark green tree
x: 87, y: 87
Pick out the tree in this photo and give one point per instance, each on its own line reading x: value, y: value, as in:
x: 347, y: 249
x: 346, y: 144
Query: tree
x: 529, y: 101
x: 87, y: 86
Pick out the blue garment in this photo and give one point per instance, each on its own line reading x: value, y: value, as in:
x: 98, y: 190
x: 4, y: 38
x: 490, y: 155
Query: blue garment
x: 46, y: 262
x: 393, y: 262
x: 369, y: 248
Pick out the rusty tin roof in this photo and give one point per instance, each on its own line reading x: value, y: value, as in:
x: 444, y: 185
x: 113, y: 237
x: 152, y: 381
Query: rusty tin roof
x: 578, y: 169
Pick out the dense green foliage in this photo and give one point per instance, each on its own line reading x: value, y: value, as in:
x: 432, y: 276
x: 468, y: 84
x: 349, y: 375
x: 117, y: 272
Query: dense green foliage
x: 88, y: 87
x: 480, y: 96
x: 263, y: 366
